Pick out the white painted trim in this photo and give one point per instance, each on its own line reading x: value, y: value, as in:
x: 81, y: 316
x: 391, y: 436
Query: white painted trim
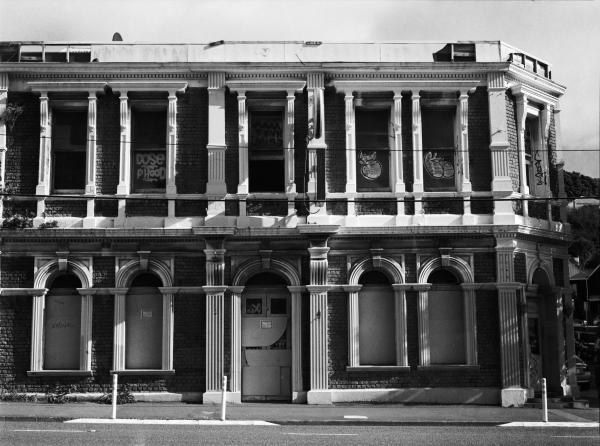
x: 425, y: 395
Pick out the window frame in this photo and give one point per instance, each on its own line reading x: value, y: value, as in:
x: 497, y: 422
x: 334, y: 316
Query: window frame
x: 67, y: 106
x: 266, y: 107
x: 441, y: 105
x: 365, y: 106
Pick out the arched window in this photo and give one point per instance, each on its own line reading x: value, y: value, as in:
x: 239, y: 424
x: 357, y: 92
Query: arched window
x: 376, y: 320
x: 446, y: 319
x: 143, y: 323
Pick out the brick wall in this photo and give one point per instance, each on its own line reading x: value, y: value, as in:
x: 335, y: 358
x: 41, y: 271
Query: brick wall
x: 520, y: 267
x: 66, y: 208
x: 16, y: 272
x: 300, y: 135
x: 407, y: 148
x: 192, y: 137
x: 23, y: 145
x: 443, y: 206
x: 335, y: 138
x: 479, y: 141
x: 104, y: 272
x: 485, y: 267
x: 336, y: 270
x: 108, y: 144
x: 232, y: 141
x: 558, y: 271
x: 513, y: 153
x: 150, y: 207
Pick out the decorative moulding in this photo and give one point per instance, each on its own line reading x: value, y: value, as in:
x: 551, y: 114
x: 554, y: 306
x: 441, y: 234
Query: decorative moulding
x: 266, y: 85
x: 65, y: 86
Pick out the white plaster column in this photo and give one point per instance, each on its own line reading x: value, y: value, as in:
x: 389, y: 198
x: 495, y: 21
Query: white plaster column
x: 3, y: 132
x: 315, y: 85
x: 541, y: 155
x: 522, y: 301
x: 85, y: 345
x: 318, y: 393
x: 464, y: 177
x: 417, y: 142
x: 512, y: 392
x: 37, y: 333
x: 401, y: 336
x: 167, y: 327
x: 499, y: 148
x: 90, y: 158
x: 235, y: 381
x: 119, y: 329
x: 243, y: 183
x: 521, y: 118
x: 171, y: 185
x: 569, y: 338
x: 397, y: 171
x: 216, y: 146
x: 124, y: 156
x: 288, y: 144
x: 353, y: 325
x: 423, y: 322
x: 470, y: 315
x: 298, y: 394
x: 43, y: 186
x: 350, y: 152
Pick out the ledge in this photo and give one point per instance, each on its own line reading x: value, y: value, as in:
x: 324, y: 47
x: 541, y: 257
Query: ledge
x: 379, y: 368
x: 59, y: 373
x: 142, y: 372
x: 448, y: 368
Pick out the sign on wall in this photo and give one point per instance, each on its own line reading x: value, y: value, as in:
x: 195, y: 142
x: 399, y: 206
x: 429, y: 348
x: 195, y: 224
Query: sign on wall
x: 149, y: 170
x: 438, y: 170
x: 372, y: 170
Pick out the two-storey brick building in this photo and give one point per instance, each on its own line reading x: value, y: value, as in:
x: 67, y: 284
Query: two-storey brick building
x: 320, y: 222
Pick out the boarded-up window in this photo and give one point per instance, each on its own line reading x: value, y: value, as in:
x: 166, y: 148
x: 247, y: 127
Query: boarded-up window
x: 376, y: 319
x: 266, y: 163
x: 446, y: 320
x: 143, y: 324
x: 438, y: 149
x: 69, y: 134
x: 372, y: 149
x: 149, y: 140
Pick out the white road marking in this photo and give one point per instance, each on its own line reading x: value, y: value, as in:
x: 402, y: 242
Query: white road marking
x: 51, y: 430
x: 356, y: 417
x: 575, y: 436
x: 172, y: 422
x: 549, y: 424
x: 319, y: 435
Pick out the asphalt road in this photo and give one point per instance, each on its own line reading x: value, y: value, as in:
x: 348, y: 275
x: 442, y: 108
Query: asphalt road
x: 47, y: 433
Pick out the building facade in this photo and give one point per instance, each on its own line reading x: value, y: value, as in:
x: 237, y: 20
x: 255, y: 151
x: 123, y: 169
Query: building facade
x: 320, y: 222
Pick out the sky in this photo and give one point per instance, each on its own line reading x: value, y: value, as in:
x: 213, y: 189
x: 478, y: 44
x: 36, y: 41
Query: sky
x: 564, y: 33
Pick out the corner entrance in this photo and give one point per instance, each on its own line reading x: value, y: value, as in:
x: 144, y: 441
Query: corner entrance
x: 266, y: 340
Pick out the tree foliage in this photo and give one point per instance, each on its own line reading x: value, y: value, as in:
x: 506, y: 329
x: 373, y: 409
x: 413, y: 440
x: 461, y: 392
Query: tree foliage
x: 578, y: 185
x: 585, y: 225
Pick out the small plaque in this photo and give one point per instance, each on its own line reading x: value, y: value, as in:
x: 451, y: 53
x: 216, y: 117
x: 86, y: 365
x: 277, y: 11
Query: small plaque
x: 266, y: 324
x: 146, y: 314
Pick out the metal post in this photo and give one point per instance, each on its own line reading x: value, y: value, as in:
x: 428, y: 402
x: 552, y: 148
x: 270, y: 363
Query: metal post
x: 544, y: 400
x: 114, y: 396
x: 223, y: 398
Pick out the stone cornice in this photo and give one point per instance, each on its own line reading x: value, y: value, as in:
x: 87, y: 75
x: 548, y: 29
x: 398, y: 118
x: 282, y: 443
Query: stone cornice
x: 250, y: 84
x: 433, y: 84
x: 148, y: 85
x: 534, y: 84
x: 66, y: 86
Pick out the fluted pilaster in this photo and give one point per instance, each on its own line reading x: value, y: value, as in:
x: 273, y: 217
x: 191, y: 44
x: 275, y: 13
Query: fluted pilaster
x: 125, y: 145
x: 243, y: 184
x: 396, y: 155
x: 236, y: 339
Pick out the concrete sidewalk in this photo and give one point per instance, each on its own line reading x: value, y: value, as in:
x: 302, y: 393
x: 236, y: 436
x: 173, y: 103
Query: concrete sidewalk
x: 347, y: 414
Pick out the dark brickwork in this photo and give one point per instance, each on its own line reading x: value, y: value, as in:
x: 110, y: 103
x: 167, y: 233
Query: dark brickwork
x: 300, y: 135
x: 106, y: 208
x: 376, y: 207
x: 538, y: 209
x: 16, y: 272
x: 337, y: 207
x: 189, y: 342
x: 552, y: 155
x: 190, y: 208
x: 513, y: 151
x: 108, y: 145
x: 336, y: 270
x: 479, y: 141
x: 232, y: 141
x: 267, y: 207
x: 19, y: 208
x: 23, y: 145
x: 407, y: 148
x: 15, y: 342
x: 485, y: 267
x: 66, y: 208
x: 558, y: 265
x: 190, y: 271
x: 410, y: 268
x: 150, y: 207
x: 482, y: 206
x: 443, y: 206
x: 335, y: 138
x: 104, y: 272
x: 192, y: 137
x: 520, y: 267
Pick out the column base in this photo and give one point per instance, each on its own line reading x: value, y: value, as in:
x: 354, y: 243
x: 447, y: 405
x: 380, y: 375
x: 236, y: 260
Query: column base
x: 319, y: 397
x: 214, y: 397
x: 513, y: 397
x: 299, y: 397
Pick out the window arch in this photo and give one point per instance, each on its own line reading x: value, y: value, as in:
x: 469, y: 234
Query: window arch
x: 61, y: 318
x: 143, y: 328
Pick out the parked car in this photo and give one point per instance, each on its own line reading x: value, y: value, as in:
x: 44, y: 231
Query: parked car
x: 583, y: 373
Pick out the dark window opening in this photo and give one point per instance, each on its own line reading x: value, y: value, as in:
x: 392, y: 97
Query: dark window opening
x: 149, y: 141
x: 66, y: 281
x: 372, y: 149
x: 146, y: 280
x: 69, y: 137
x: 443, y: 276
x: 439, y: 173
x: 456, y: 52
x: 265, y: 151
x: 278, y: 305
x: 373, y: 278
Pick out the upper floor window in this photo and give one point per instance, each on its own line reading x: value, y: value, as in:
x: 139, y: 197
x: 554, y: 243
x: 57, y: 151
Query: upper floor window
x: 265, y: 151
x: 149, y: 141
x: 438, y: 149
x: 535, y: 164
x: 69, y: 134
x: 372, y: 149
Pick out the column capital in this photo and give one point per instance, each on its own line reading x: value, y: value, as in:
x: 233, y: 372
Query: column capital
x: 315, y: 80
x: 216, y: 289
x: 352, y: 288
x: 216, y: 80
x: 318, y: 252
x: 237, y: 289
x: 296, y: 289
x: 119, y: 291
x: 317, y: 289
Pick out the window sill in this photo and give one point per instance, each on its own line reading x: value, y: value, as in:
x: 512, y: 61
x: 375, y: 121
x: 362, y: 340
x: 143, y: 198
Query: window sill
x: 143, y: 372
x: 448, y: 367
x: 378, y: 368
x: 59, y: 373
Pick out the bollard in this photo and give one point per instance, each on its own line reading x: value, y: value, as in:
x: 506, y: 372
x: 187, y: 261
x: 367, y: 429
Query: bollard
x: 114, y: 396
x: 223, y: 398
x: 544, y: 400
